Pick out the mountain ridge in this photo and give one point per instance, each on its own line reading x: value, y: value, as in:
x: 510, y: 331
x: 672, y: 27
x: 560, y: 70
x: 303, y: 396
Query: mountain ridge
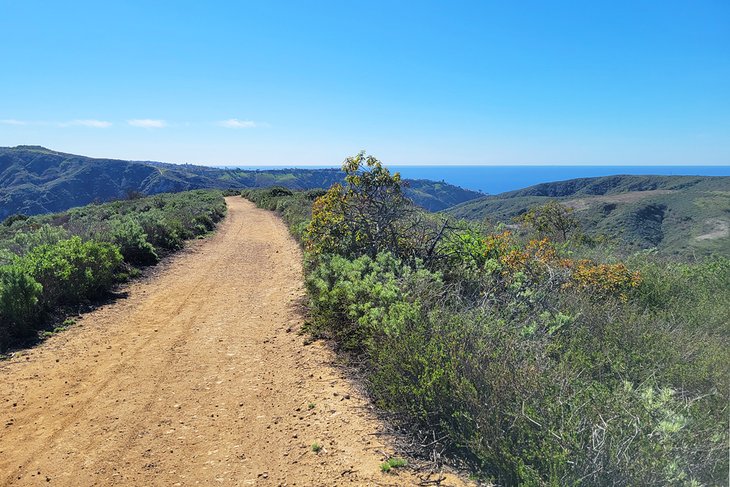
x: 34, y: 179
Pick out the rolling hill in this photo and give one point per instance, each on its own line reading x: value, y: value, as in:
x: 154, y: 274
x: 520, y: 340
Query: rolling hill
x: 36, y: 180
x: 677, y: 215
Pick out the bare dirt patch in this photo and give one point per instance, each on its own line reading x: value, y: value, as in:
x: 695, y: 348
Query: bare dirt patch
x: 198, y: 377
x: 719, y: 228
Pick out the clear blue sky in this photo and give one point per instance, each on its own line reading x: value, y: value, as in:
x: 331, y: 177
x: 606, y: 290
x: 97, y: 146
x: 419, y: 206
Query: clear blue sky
x: 418, y: 82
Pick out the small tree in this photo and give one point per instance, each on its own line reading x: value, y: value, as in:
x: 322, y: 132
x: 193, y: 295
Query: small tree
x: 551, y: 220
x: 362, y: 216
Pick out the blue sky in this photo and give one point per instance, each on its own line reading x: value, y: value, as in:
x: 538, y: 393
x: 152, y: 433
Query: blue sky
x: 419, y: 82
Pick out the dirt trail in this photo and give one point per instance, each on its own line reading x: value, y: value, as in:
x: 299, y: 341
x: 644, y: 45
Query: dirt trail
x: 198, y: 377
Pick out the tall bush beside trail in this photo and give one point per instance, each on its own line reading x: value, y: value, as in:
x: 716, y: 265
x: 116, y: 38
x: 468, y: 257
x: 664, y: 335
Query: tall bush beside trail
x: 361, y: 217
x: 72, y: 271
x: 19, y: 304
x: 370, y: 214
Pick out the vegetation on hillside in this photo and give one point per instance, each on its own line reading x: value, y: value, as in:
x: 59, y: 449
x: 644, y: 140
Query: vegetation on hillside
x: 62, y: 260
x: 680, y: 216
x: 538, y: 360
x: 35, y: 180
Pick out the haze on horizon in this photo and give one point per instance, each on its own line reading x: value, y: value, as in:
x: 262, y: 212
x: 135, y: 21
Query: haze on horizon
x: 284, y: 83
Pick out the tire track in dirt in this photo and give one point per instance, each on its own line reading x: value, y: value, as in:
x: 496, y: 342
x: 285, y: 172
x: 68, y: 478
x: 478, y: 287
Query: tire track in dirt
x: 198, y: 377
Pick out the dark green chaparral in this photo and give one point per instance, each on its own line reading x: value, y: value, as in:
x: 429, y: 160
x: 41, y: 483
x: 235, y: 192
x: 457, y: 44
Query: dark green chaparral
x: 539, y: 362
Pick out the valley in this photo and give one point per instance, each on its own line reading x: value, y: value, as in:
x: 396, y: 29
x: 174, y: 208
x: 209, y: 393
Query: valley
x: 679, y: 216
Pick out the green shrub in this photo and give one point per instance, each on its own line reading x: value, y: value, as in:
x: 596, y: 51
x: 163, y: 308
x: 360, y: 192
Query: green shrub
x: 72, y: 271
x: 24, y: 241
x: 161, y: 231
x: 313, y: 194
x: 280, y: 191
x: 357, y: 301
x: 8, y: 222
x: 19, y: 304
x: 128, y: 234
x: 392, y: 463
x: 7, y: 257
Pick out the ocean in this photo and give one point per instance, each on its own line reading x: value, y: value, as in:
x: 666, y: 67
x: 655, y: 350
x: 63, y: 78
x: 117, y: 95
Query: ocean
x: 498, y: 179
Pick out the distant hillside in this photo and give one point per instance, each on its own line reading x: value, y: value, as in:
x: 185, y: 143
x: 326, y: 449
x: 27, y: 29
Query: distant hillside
x: 675, y: 214
x: 36, y: 180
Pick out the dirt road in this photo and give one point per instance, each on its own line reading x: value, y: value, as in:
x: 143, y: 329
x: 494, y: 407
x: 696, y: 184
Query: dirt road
x: 197, y: 377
